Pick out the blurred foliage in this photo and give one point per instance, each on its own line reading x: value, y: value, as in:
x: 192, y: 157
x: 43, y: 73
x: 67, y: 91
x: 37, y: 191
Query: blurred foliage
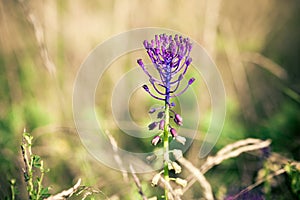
x: 259, y: 104
x: 294, y: 174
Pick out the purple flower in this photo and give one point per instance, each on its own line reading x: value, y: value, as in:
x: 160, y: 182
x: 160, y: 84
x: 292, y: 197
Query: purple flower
x: 171, y: 58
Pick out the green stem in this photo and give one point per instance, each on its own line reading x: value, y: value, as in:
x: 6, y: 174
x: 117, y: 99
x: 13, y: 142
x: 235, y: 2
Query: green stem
x: 13, y: 189
x: 39, y: 186
x: 166, y: 149
x: 28, y: 160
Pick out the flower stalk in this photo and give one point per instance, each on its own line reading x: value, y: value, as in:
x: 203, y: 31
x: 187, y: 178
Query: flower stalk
x: 166, y: 148
x: 171, y: 58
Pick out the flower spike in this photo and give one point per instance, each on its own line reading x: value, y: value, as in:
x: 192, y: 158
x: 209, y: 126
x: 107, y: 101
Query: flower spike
x: 171, y: 58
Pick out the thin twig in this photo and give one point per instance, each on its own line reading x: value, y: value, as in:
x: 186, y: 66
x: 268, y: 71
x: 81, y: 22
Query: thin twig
x: 137, y: 183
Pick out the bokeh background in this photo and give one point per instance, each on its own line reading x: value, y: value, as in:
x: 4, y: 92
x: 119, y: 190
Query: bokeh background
x: 256, y: 46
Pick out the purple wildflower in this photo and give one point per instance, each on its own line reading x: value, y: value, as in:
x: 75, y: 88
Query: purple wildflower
x: 171, y: 58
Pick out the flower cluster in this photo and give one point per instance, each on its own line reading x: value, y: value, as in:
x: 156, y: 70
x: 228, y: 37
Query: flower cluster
x: 171, y: 58
x: 160, y: 124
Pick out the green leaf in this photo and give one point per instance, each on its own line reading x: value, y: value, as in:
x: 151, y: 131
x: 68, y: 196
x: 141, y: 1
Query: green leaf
x: 26, y: 176
x: 36, y: 161
x: 294, y: 175
x: 45, y: 192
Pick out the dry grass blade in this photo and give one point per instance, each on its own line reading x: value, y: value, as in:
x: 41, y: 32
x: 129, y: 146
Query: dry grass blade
x: 211, y: 23
x: 229, y: 148
x: 265, y: 63
x: 239, y: 74
x: 229, y: 151
x: 39, y: 35
x: 66, y: 193
x: 207, y: 191
x: 234, y: 150
x: 116, y: 155
x: 172, y: 195
x: 257, y: 183
x: 137, y: 183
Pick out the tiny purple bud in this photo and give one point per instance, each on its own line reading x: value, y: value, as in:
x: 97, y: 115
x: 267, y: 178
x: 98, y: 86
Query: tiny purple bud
x: 188, y: 62
x: 140, y: 62
x: 155, y: 140
x: 178, y: 119
x: 146, y: 44
x: 146, y: 88
x: 160, y: 114
x: 162, y: 124
x: 172, y: 104
x: 180, y: 77
x: 173, y: 132
x: 152, y: 110
x: 191, y: 81
x: 152, y: 126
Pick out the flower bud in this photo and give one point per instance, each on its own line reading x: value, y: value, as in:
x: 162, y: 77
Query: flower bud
x: 146, y: 88
x: 161, y: 124
x: 156, y: 140
x: 188, y: 62
x: 191, y: 81
x: 173, y: 132
x: 180, y: 139
x: 160, y: 114
x: 152, y: 126
x: 152, y: 110
x: 155, y: 179
x: 140, y: 62
x: 178, y: 119
x: 175, y: 167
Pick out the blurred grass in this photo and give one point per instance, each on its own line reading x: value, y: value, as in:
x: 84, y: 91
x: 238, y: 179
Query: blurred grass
x: 33, y: 99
